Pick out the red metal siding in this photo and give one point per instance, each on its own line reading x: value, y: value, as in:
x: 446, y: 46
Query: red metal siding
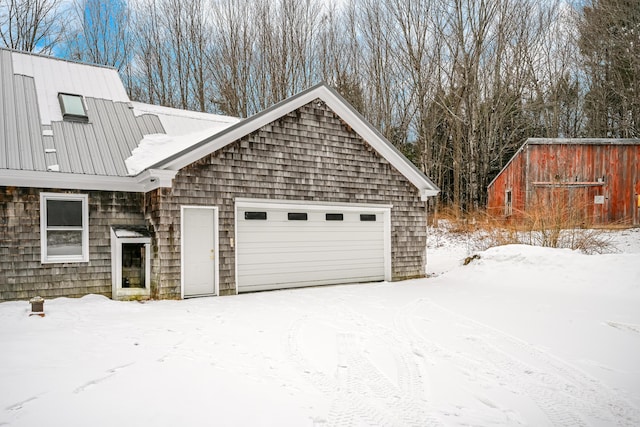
x: 571, y: 175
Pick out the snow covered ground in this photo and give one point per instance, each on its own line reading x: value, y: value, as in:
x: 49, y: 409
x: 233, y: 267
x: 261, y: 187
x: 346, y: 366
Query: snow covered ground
x: 521, y: 336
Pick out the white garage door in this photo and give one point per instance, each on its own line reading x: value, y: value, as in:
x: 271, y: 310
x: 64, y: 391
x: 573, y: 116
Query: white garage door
x: 286, y: 246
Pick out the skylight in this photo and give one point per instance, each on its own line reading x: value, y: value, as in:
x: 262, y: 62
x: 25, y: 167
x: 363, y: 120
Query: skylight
x: 72, y: 107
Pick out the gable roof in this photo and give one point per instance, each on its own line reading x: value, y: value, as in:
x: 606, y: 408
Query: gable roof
x: 178, y: 122
x: 40, y: 149
x: 566, y: 141
x: 583, y: 141
x: 339, y: 106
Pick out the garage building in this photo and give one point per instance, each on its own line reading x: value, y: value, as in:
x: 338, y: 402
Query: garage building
x: 132, y: 200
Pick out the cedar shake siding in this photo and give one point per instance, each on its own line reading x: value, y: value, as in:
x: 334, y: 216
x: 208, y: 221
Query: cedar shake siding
x: 22, y: 275
x: 116, y: 182
x: 309, y: 154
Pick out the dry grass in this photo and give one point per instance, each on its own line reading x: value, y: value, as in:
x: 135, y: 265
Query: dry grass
x: 547, y: 226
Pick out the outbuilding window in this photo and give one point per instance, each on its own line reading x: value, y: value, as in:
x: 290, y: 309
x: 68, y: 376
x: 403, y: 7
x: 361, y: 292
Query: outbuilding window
x: 64, y: 227
x: 508, y: 203
x: 72, y: 107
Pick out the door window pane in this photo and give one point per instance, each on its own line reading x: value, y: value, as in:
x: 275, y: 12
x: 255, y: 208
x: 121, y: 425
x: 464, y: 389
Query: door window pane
x: 133, y: 265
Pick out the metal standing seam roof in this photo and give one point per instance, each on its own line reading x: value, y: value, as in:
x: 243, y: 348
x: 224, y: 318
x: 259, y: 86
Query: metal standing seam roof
x: 52, y: 76
x: 178, y: 122
x: 337, y: 103
x: 34, y: 136
x: 583, y: 141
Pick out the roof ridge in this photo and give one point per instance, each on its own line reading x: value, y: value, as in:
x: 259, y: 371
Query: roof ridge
x: 56, y: 58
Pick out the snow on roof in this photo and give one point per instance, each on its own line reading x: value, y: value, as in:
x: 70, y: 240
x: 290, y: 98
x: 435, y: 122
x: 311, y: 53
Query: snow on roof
x: 183, y: 129
x: 157, y: 147
x: 53, y: 76
x: 178, y: 122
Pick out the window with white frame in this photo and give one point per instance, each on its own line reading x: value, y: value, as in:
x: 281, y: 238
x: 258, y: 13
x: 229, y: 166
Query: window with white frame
x: 64, y: 227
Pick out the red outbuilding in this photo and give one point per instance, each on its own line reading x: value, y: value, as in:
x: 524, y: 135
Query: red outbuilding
x: 595, y: 180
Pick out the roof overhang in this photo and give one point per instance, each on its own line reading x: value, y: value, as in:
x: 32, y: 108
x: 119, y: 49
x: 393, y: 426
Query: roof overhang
x: 339, y: 106
x: 148, y: 180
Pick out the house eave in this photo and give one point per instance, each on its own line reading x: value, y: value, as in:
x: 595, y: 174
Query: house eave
x: 146, y: 181
x: 426, y: 193
x: 152, y: 179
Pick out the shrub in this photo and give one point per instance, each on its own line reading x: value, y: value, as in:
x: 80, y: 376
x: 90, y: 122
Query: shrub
x: 547, y: 225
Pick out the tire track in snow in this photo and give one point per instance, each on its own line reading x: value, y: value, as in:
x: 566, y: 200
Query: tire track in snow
x: 347, y: 406
x: 628, y: 327
x: 359, y: 390
x: 411, y: 401
x: 564, y: 393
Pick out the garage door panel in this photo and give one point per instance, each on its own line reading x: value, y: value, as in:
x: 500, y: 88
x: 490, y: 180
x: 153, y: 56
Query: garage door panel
x: 344, y: 275
x: 313, y: 250
x: 318, y: 227
x: 277, y: 252
x: 328, y: 233
x: 302, y: 259
x: 295, y: 280
x: 303, y: 239
x: 281, y: 217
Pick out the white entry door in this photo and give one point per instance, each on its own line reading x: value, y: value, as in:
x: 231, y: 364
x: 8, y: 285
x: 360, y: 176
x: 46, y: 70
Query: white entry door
x: 198, y: 251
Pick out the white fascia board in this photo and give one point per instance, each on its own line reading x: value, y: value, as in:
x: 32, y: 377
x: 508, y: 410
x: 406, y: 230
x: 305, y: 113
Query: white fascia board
x: 425, y: 194
x: 357, y: 123
x: 142, y: 183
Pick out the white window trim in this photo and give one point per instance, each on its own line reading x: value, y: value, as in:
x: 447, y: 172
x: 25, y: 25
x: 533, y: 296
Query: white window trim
x: 44, y: 258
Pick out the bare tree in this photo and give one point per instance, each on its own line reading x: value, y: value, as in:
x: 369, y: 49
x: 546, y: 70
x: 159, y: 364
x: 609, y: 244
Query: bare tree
x: 102, y: 33
x: 232, y: 59
x: 32, y: 25
x: 457, y: 85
